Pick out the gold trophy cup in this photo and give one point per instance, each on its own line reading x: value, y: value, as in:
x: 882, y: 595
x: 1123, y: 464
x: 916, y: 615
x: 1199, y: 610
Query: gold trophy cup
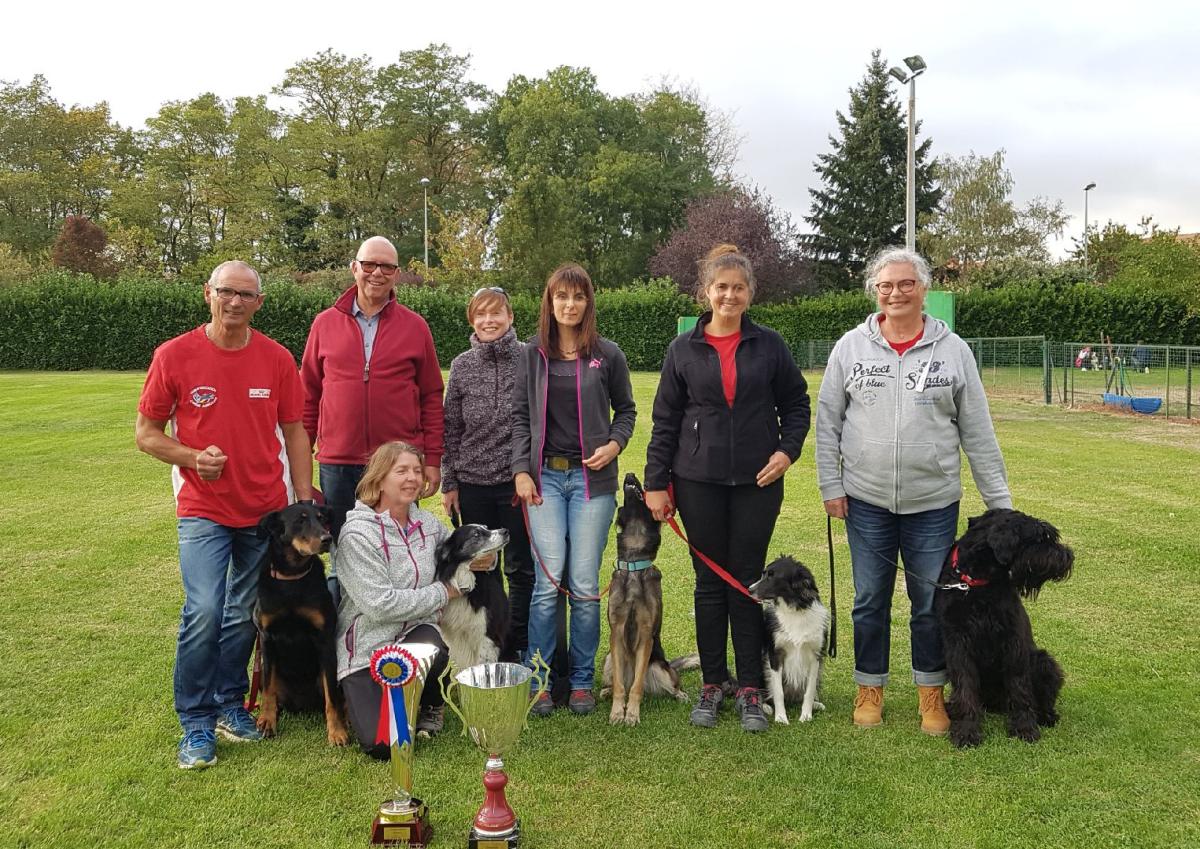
x: 495, y: 702
x: 401, y: 671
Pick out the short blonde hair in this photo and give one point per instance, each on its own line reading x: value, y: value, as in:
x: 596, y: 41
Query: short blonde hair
x: 487, y: 299
x: 381, y: 462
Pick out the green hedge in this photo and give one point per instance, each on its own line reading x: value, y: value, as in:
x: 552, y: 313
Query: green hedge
x: 65, y: 322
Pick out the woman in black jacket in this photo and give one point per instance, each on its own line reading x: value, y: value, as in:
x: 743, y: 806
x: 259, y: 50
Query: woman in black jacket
x: 730, y: 417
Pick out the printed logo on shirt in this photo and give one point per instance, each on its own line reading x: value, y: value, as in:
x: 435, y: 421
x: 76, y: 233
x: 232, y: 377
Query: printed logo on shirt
x: 937, y: 376
x: 203, y: 396
x: 595, y: 363
x: 869, y: 376
x: 260, y: 393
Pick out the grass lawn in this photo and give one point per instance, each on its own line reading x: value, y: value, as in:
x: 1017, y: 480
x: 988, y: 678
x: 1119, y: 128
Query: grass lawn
x: 89, y: 603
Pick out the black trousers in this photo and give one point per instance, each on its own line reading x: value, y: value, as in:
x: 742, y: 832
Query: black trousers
x: 363, y: 694
x: 732, y: 525
x: 492, y: 506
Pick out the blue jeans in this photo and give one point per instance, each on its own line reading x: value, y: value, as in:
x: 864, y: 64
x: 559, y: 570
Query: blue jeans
x: 923, y: 540
x: 569, y: 533
x: 219, y: 566
x: 338, y: 483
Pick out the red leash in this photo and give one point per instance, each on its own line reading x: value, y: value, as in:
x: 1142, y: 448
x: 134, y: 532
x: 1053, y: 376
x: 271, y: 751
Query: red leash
x: 721, y: 573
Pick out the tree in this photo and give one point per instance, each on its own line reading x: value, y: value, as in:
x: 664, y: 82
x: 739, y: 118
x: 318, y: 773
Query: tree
x: 1156, y: 260
x: 80, y: 247
x: 978, y: 222
x: 860, y: 207
x: 746, y: 219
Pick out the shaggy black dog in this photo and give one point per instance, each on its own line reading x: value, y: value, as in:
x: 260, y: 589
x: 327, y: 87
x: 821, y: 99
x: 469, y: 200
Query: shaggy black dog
x: 991, y: 659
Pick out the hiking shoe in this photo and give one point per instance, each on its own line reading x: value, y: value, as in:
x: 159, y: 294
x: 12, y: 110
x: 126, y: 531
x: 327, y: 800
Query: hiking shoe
x: 198, y: 749
x: 543, y: 705
x: 704, y: 714
x: 430, y: 720
x: 868, y: 706
x: 237, y: 725
x: 932, y: 708
x: 582, y: 702
x: 749, y: 705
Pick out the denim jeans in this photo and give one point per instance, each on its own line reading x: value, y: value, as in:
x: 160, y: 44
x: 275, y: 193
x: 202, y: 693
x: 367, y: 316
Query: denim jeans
x: 338, y: 483
x: 923, y: 540
x: 219, y: 566
x: 569, y: 534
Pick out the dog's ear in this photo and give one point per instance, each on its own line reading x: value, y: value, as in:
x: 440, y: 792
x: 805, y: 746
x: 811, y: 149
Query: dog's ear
x: 326, y: 515
x: 269, y: 524
x: 1003, y: 538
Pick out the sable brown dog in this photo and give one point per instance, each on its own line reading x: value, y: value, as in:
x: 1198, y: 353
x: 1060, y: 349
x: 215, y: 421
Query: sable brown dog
x: 636, y: 663
x: 296, y: 621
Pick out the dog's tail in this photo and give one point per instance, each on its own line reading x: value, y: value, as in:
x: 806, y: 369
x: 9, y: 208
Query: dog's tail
x: 687, y: 661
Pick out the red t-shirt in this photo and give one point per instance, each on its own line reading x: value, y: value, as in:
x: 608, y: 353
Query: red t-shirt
x: 726, y: 347
x: 234, y: 400
x: 901, y: 347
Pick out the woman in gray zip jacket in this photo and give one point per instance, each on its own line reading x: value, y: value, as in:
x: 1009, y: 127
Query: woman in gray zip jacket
x: 900, y: 396
x: 573, y: 413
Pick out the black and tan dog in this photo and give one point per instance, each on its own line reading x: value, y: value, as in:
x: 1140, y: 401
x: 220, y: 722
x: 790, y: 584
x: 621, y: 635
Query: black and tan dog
x: 296, y: 621
x: 991, y: 659
x: 636, y: 664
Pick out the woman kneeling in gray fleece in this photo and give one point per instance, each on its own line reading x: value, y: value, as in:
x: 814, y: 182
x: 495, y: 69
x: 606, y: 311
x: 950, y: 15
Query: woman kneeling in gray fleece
x: 900, y: 396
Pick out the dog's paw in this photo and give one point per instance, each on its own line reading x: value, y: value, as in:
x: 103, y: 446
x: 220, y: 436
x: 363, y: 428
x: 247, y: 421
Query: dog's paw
x: 605, y: 692
x: 616, y: 716
x: 633, y: 714
x: 338, y: 737
x: 1030, y: 734
x: 965, y: 738
x: 818, y: 706
x: 1049, y: 719
x: 806, y: 715
x: 782, y: 718
x: 266, y: 724
x: 681, y: 696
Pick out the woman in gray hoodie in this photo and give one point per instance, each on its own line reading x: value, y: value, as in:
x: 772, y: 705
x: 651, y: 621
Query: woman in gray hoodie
x: 385, y: 559
x: 900, y: 396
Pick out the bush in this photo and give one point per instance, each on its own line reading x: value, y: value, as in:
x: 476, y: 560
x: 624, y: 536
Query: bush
x: 66, y: 321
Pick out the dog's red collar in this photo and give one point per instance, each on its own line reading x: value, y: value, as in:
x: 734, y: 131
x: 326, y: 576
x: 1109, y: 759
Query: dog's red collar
x: 963, y: 576
x: 279, y: 576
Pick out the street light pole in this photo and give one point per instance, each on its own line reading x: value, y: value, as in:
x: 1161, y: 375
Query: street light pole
x: 1086, y: 189
x: 425, y: 187
x: 916, y: 66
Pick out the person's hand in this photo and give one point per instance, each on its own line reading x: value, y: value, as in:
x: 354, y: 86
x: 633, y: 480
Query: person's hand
x: 603, y: 455
x: 451, y: 590
x: 485, y: 563
x: 433, y: 479
x: 450, y: 502
x: 210, y: 462
x: 837, y: 507
x: 526, y: 489
x: 773, y: 471
x: 660, y: 504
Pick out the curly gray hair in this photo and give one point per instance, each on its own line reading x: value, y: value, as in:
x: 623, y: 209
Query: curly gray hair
x: 897, y: 256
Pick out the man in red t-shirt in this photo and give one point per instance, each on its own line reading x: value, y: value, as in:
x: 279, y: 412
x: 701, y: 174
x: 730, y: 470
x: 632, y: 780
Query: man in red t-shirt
x: 238, y: 450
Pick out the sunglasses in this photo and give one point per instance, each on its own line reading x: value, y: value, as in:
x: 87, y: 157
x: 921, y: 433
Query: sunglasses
x: 496, y: 289
x: 369, y: 267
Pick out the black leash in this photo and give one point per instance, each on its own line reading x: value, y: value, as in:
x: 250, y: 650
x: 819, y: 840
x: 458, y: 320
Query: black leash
x: 832, y: 593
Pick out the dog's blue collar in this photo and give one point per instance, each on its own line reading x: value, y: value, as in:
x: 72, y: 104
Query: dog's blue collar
x: 633, y: 565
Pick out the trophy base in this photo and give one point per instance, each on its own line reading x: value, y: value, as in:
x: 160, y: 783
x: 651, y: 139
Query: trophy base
x: 407, y: 828
x: 512, y: 840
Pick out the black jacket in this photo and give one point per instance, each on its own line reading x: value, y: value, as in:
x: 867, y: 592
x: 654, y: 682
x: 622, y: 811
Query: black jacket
x: 696, y: 434
x: 603, y: 385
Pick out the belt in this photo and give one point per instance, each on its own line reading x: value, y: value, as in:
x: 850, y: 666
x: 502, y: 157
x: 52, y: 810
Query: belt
x: 561, y: 464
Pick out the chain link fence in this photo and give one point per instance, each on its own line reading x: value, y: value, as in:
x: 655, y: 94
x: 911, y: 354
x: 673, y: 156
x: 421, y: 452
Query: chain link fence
x: 1032, y: 368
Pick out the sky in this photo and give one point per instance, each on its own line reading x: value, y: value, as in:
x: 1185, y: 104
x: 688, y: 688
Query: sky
x: 1074, y: 92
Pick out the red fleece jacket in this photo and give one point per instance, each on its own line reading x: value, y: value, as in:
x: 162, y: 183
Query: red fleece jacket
x: 352, y: 407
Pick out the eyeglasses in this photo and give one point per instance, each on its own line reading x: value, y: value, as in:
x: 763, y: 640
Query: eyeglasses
x: 369, y: 267
x: 886, y: 287
x: 495, y: 289
x: 229, y: 294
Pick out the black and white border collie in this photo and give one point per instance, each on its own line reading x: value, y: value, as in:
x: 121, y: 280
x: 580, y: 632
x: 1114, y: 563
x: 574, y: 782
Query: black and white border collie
x: 475, y: 624
x: 797, y: 632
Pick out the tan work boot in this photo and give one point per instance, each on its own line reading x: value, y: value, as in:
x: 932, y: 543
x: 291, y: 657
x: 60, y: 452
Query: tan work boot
x: 868, y: 707
x: 933, y: 711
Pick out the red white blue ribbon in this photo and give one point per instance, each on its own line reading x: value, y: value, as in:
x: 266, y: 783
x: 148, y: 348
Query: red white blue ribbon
x: 392, y: 667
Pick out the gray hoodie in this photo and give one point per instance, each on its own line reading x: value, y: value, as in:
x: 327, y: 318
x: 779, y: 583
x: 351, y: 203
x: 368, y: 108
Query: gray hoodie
x: 889, y: 427
x: 387, y: 581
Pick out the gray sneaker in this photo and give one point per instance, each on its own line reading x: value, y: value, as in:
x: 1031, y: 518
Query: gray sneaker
x: 749, y: 705
x: 543, y: 705
x: 704, y: 714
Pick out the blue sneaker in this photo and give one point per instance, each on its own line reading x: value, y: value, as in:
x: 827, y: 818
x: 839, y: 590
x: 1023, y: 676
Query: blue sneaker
x: 237, y: 725
x: 198, y: 749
